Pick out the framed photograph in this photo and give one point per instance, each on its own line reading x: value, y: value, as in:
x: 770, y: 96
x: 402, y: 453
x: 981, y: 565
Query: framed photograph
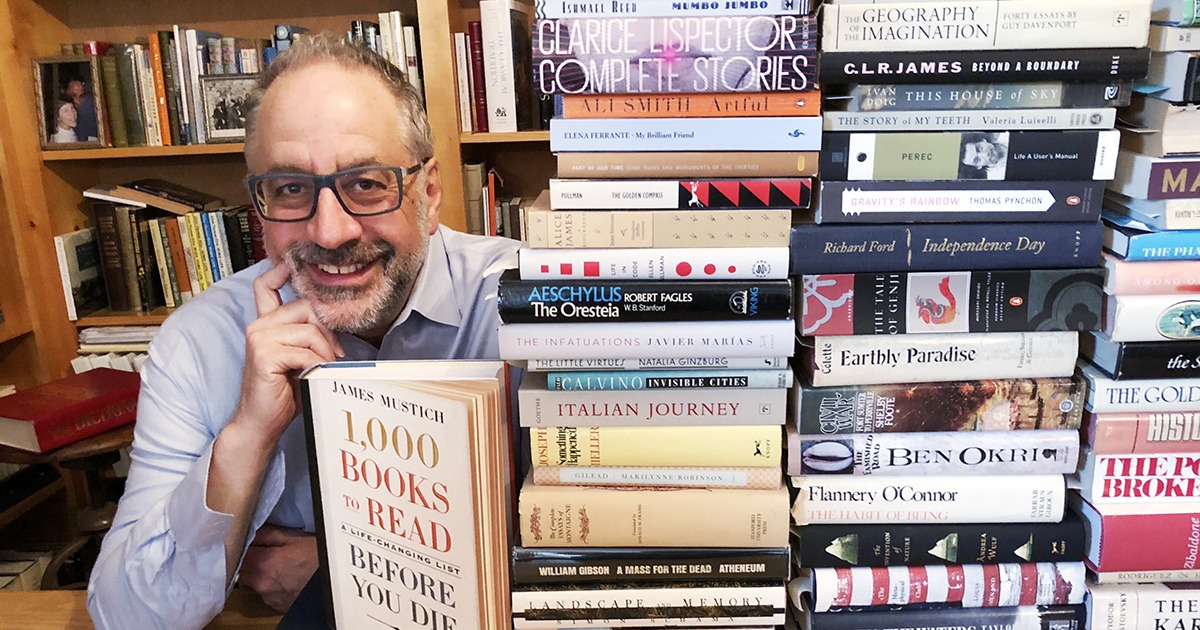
x: 224, y: 97
x: 70, y: 110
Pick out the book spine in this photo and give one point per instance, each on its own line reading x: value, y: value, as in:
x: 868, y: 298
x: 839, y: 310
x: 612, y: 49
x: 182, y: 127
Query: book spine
x: 657, y: 476
x: 1144, y: 360
x: 965, y: 200
x: 1177, y: 72
x: 967, y: 585
x: 943, y: 246
x: 130, y: 256
x: 1052, y: 158
x: 185, y: 238
x: 724, y: 263
x: 162, y: 262
x: 157, y: 60
x: 199, y: 249
x: 984, y: 25
x: 963, y: 301
x: 785, y: 43
x: 1160, y: 245
x: 657, y: 363
x: 566, y: 516
x: 498, y: 70
x: 742, y: 446
x: 1106, y: 395
x: 1168, y: 38
x: 934, y: 453
x: 64, y: 273
x: 1126, y: 433
x: 412, y: 62
x: 762, y: 338
x: 665, y: 194
x: 135, y: 122
x: 548, y: 9
x: 1116, y: 538
x: 183, y: 275
x: 977, y: 120
x: 1008, y: 617
x: 887, y: 544
x: 601, y: 229
x: 1151, y: 278
x: 112, y: 410
x: 475, y: 41
x: 690, y: 164
x: 962, y: 97
x: 462, y: 75
x: 1164, y: 214
x: 783, y: 133
x: 661, y: 407
x: 111, y: 257
x: 1140, y: 478
x: 537, y: 566
x: 210, y: 245
x: 660, y: 606
x: 1152, y: 317
x: 597, y: 301
x: 1176, y: 12
x: 149, y: 100
x: 216, y: 223
x: 1136, y: 577
x: 113, y: 107
x: 863, y: 360
x: 1138, y: 606
x: 691, y: 105
x: 981, y: 65
x: 670, y: 379
x: 1147, y: 177
x: 232, y: 229
x: 986, y: 405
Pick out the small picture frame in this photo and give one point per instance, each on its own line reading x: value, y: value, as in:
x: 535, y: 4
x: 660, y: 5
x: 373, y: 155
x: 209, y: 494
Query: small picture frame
x: 70, y: 104
x: 224, y: 97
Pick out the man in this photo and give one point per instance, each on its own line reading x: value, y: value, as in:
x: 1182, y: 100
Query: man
x: 87, y: 128
x: 340, y: 158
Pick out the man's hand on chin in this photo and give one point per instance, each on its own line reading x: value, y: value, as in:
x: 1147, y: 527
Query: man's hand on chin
x: 279, y: 562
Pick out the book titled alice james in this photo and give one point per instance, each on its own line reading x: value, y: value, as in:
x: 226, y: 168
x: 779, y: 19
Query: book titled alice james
x: 411, y: 472
x: 631, y: 55
x: 867, y: 360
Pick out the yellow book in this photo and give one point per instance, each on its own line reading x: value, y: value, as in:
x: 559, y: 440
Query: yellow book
x: 199, y: 249
x: 752, y: 445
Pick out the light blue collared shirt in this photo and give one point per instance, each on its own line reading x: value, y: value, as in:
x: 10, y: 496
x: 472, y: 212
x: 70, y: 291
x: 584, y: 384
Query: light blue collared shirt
x: 162, y: 565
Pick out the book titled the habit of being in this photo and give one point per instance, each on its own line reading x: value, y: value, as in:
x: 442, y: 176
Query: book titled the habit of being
x: 411, y: 476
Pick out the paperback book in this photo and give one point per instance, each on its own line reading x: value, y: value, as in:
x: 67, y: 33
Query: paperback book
x: 978, y: 120
x: 664, y: 194
x: 1138, y: 606
x: 758, y: 338
x: 901, y: 97
x: 889, y: 200
x: 670, y: 379
x: 1073, y: 617
x: 666, y: 564
x: 666, y: 229
x: 645, y: 263
x: 683, y: 105
x: 1000, y: 64
x: 716, y: 445
x: 1131, y: 239
x: 631, y: 477
x: 636, y: 165
x: 1162, y: 317
x: 657, y: 363
x: 664, y: 606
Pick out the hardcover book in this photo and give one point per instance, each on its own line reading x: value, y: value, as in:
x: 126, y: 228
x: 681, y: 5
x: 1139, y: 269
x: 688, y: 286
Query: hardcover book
x: 1137, y: 606
x: 883, y: 201
x: 411, y: 469
x: 979, y: 120
x: 634, y: 263
x: 651, y: 194
x: 928, y: 499
x: 1106, y: 394
x: 81, y: 271
x: 866, y: 360
x: 623, y: 229
x: 175, y: 193
x: 1150, y: 277
x: 1072, y: 617
x: 660, y: 605
x: 716, y: 445
x: 901, y: 97
x: 46, y: 417
x: 658, y: 476
x: 1117, y: 536
x: 668, y: 8
x: 1141, y: 360
x: 1125, y: 433
x: 1131, y: 239
x: 1139, y: 478
x: 1164, y: 317
x: 1053, y: 157
x: 657, y: 363
x: 985, y: 405
x: 997, y: 64
x: 635, y: 165
x: 686, y: 105
x: 520, y: 300
x: 934, y: 453
x: 963, y: 301
x: 635, y: 55
x: 637, y: 135
x: 1150, y: 177
x: 665, y: 564
x: 886, y: 545
x: 624, y: 340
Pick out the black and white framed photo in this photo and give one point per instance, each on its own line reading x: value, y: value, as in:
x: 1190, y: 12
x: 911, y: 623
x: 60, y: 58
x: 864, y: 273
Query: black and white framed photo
x: 70, y: 110
x: 225, y: 105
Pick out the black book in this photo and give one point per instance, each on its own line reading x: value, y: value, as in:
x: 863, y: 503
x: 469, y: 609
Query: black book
x: 1141, y: 360
x: 553, y: 565
x: 968, y: 66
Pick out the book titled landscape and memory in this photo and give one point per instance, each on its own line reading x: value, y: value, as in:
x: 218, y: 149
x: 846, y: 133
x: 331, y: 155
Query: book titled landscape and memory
x: 411, y: 472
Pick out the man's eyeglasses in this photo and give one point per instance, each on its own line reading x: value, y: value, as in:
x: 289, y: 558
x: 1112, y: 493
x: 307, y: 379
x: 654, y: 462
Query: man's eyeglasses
x: 363, y: 191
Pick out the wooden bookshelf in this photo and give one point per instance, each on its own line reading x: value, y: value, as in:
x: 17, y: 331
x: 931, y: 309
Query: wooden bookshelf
x: 500, y: 138
x: 112, y: 153
x: 118, y: 318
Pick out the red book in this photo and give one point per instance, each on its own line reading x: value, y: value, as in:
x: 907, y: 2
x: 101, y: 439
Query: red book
x: 48, y: 416
x: 478, y: 87
x: 1119, y: 547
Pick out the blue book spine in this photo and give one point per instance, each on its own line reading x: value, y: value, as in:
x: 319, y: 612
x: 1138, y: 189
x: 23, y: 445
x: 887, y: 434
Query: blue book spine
x: 214, y: 263
x: 781, y: 133
x: 1126, y: 238
x: 943, y: 247
x: 669, y: 379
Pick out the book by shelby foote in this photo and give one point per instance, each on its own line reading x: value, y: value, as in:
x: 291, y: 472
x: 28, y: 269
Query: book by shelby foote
x: 60, y: 412
x: 411, y: 471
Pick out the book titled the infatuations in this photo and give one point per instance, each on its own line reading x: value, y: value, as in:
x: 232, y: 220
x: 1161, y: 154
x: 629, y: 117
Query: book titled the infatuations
x: 411, y: 473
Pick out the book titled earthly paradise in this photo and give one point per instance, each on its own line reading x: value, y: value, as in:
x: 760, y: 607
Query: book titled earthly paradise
x: 412, y: 479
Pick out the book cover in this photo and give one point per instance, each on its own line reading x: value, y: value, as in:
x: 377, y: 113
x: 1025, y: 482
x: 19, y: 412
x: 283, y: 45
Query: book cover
x: 1072, y: 617
x: 520, y: 300
x: 670, y: 379
x: 1106, y: 394
x: 595, y: 516
x: 411, y: 469
x: 866, y: 360
x: 506, y: 62
x: 715, y: 445
x: 929, y: 499
x: 595, y: 229
x: 663, y: 407
x: 634, y: 165
x: 625, y: 340
x: 688, y: 105
x: 663, y: 606
x: 1051, y: 158
x: 633, y: 263
x: 1150, y: 277
x: 725, y: 54
x: 1133, y: 240
x: 1141, y: 360
x: 1164, y: 317
x: 982, y: 96
x: 965, y: 585
x: 779, y: 133
x: 963, y: 301
x: 886, y: 544
x: 979, y: 120
x: 633, y: 194
x: 984, y: 25
x: 657, y: 363
x: 46, y: 417
x: 933, y: 453
x: 658, y: 476
x: 984, y: 405
x: 1117, y: 534
x: 666, y: 564
x: 1139, y: 478
x: 1127, y: 433
x: 999, y: 64
x: 81, y: 271
x: 1137, y: 606
x: 193, y: 199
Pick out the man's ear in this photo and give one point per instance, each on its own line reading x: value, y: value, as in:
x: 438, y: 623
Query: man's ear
x: 433, y: 194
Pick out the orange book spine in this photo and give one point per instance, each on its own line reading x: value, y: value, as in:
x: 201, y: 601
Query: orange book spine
x: 732, y: 105
x: 160, y: 88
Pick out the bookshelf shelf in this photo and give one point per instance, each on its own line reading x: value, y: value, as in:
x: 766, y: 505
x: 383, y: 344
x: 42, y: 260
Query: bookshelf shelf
x: 142, y: 152
x: 31, y: 501
x: 125, y: 318
x: 499, y: 138
x: 12, y: 330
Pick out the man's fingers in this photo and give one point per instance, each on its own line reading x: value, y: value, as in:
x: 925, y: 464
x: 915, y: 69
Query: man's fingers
x: 267, y: 286
x: 298, y: 312
x: 295, y: 336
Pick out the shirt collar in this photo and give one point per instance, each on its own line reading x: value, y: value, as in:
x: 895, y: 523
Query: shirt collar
x: 433, y: 295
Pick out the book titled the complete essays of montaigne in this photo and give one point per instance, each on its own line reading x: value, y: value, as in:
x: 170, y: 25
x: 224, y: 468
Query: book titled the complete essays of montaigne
x: 411, y: 473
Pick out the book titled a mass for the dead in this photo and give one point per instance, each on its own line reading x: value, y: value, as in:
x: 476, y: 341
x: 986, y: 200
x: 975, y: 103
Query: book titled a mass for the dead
x: 411, y: 473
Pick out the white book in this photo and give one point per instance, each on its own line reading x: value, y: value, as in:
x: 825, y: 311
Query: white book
x: 657, y: 363
x: 875, y: 359
x: 929, y: 499
x: 396, y: 22
x: 1170, y: 70
x: 1168, y: 38
x: 1143, y: 606
x: 1162, y: 317
x: 160, y: 262
x: 196, y: 46
x: 1163, y: 214
x: 658, y: 407
x: 149, y: 98
x: 558, y: 9
x: 608, y: 610
x: 984, y: 25
x: 80, y: 271
x: 684, y: 263
x: 1107, y: 395
x: 181, y: 83
x: 1172, y: 176
x: 972, y: 120
x: 1140, y: 578
x: 221, y: 241
x: 497, y: 22
x: 411, y: 57
x: 648, y: 339
x: 463, y: 76
x: 387, y: 42
x: 81, y: 364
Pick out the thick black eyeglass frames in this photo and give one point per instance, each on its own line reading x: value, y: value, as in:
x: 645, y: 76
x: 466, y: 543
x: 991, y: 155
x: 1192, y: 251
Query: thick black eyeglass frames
x: 363, y: 191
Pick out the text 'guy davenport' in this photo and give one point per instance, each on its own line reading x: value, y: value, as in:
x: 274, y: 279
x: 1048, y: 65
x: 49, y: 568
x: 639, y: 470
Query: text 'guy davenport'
x: 953, y: 22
